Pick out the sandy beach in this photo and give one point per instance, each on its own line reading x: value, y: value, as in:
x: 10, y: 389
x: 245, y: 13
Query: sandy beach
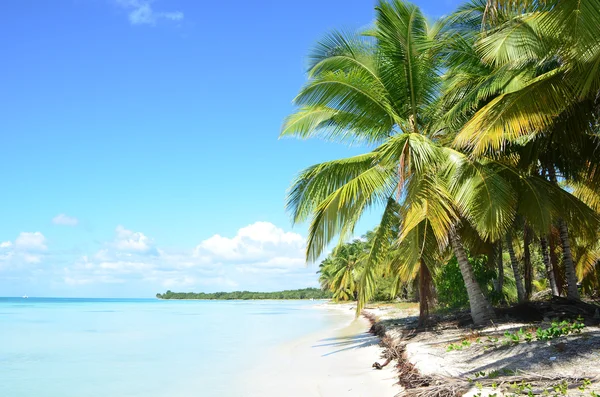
x: 333, y: 362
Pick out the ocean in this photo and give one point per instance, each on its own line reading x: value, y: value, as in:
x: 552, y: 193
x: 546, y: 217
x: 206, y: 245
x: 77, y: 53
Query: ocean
x: 53, y: 347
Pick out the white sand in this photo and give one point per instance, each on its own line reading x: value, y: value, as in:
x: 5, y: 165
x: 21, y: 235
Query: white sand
x: 335, y: 362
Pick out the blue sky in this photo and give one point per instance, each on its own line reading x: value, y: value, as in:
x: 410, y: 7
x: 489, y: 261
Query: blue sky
x: 139, y: 143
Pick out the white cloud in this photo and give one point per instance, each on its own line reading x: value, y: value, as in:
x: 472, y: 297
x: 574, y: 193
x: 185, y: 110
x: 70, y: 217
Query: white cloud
x: 129, y: 241
x: 255, y: 251
x: 142, y: 13
x: 257, y: 242
x: 28, y: 248
x: 31, y: 242
x: 65, y: 220
x: 260, y: 256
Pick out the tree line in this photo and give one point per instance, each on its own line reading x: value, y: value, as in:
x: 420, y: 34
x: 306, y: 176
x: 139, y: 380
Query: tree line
x: 340, y: 272
x: 481, y: 138
x: 306, y: 293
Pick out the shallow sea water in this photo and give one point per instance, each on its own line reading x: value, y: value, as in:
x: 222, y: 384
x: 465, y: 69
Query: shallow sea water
x: 53, y: 347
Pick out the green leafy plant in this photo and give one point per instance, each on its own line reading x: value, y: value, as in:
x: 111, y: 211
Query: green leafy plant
x: 563, y: 328
x: 562, y: 388
x: 585, y: 385
x: 454, y: 346
x: 450, y: 285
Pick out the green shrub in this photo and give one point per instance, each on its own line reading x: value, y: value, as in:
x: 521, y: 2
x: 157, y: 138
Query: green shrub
x: 450, y: 285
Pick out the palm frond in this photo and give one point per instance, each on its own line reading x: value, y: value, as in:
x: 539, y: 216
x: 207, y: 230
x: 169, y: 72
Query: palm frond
x: 316, y: 183
x: 338, y: 213
x: 382, y: 241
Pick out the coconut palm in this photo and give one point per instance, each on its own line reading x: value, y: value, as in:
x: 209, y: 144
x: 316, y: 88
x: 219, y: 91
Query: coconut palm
x: 556, y: 45
x: 381, y: 88
x: 344, y: 267
x: 505, y: 59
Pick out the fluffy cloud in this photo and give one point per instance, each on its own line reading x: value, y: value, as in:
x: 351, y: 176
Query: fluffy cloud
x: 142, y: 13
x: 261, y: 241
x: 255, y: 252
x: 65, y: 220
x: 260, y: 256
x: 6, y: 253
x: 28, y: 248
x: 130, y: 241
x: 30, y: 242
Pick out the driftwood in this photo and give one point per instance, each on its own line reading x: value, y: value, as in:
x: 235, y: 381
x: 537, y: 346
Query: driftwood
x: 451, y: 387
x: 408, y: 375
x: 376, y: 365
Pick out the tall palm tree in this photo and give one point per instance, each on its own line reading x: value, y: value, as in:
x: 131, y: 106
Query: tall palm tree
x: 381, y: 88
x: 525, y: 86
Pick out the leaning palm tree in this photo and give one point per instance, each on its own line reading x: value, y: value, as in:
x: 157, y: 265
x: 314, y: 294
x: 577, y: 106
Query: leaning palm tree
x: 381, y: 88
x: 370, y: 88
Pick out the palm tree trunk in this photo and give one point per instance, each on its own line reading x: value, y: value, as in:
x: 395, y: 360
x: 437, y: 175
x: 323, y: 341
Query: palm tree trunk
x: 558, y: 276
x: 481, y: 310
x: 491, y: 264
x: 570, y: 275
x: 527, y: 262
x: 515, y: 266
x: 499, y: 285
x: 548, y: 264
x: 425, y: 293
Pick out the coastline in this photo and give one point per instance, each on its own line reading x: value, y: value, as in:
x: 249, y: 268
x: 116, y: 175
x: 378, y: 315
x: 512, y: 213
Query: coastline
x: 332, y: 362
x: 242, y: 300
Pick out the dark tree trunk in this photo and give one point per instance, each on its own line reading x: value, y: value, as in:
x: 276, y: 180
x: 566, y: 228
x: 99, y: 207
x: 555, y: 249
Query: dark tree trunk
x: 515, y: 267
x: 499, y: 284
x: 548, y: 265
x: 558, y: 277
x: 568, y: 263
x: 481, y: 310
x: 570, y: 275
x: 425, y: 293
x: 527, y: 262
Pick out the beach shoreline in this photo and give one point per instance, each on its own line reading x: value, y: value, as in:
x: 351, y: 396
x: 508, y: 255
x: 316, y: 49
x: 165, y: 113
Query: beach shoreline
x: 332, y: 362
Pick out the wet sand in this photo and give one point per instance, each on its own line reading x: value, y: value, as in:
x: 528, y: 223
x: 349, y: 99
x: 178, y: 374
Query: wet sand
x: 330, y: 363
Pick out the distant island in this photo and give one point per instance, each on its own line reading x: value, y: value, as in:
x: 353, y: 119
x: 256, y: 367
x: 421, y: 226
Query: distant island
x: 306, y: 293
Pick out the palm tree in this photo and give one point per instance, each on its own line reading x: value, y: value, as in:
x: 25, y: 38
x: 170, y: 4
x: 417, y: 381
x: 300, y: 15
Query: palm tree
x: 344, y: 268
x: 381, y: 88
x: 527, y: 92
x: 325, y: 273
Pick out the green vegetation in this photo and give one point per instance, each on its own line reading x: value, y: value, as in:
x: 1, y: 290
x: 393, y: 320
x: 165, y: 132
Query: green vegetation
x: 450, y: 287
x: 306, y: 293
x: 480, y: 134
x: 340, y: 273
x: 556, y: 330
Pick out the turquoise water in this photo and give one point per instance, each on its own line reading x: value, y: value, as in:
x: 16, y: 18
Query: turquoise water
x: 150, y: 348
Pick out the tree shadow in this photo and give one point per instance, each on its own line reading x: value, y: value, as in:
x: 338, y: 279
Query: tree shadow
x: 540, y: 355
x: 349, y: 343
x: 347, y: 337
